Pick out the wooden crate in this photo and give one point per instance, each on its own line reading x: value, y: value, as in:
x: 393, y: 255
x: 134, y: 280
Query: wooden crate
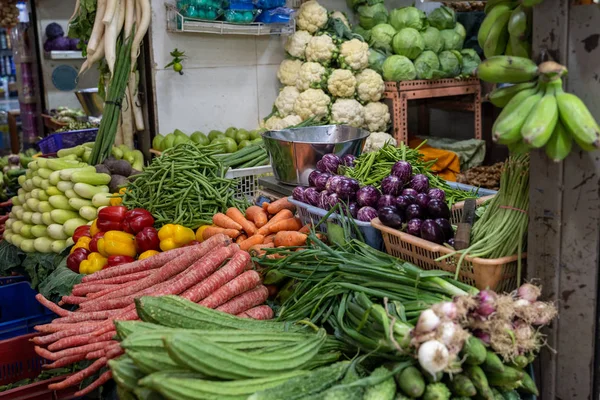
x: 397, y: 95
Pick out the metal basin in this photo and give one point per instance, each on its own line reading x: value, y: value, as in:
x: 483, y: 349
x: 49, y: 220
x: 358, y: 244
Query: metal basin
x: 91, y: 103
x: 294, y: 152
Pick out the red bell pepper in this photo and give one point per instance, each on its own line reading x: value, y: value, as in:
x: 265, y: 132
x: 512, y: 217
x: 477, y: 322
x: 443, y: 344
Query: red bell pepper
x: 147, y: 239
x: 136, y: 220
x: 111, y: 218
x: 113, y: 261
x: 94, y: 243
x: 75, y: 258
x: 83, y: 230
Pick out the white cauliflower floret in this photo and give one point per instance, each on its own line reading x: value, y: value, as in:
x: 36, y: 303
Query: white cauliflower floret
x: 354, y: 55
x: 348, y: 112
x: 311, y: 75
x: 377, y: 140
x: 341, y: 83
x: 311, y: 17
x: 321, y: 49
x: 275, y: 123
x: 341, y: 16
x: 296, y: 44
x: 377, y: 117
x: 369, y: 86
x: 286, y: 99
x: 292, y: 120
x: 311, y: 103
x: 288, y: 72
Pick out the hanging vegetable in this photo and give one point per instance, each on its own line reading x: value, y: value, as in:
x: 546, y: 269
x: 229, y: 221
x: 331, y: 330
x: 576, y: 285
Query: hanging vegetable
x: 178, y: 57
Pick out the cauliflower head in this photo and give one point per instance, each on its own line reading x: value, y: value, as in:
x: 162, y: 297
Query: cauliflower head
x: 311, y: 75
x: 321, y: 49
x: 349, y: 112
x: 341, y: 16
x: 311, y: 103
x: 292, y: 120
x: 369, y: 86
x: 296, y: 44
x: 354, y: 55
x: 377, y: 117
x: 341, y: 83
x: 377, y: 140
x: 288, y: 72
x: 285, y: 100
x: 275, y: 123
x: 311, y: 16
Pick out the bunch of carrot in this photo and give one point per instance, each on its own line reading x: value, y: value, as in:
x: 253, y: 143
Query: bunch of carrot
x: 272, y: 225
x: 214, y: 274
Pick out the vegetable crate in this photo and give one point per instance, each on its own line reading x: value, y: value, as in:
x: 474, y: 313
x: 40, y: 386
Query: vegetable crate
x: 247, y: 179
x: 20, y: 311
x: 310, y: 214
x: 497, y: 274
x: 64, y: 140
x: 19, y: 361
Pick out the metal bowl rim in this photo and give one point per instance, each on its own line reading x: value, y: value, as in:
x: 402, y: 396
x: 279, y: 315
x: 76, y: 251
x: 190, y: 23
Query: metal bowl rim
x: 264, y: 136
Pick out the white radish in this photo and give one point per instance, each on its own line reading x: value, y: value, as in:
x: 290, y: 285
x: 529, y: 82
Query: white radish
x: 98, y: 29
x: 93, y: 58
x: 129, y: 17
x: 122, y: 6
x: 111, y: 10
x: 126, y: 121
x: 135, y: 102
x: 433, y: 357
x: 141, y: 30
x: 138, y: 14
x: 110, y: 40
x: 76, y: 11
x: 119, y: 135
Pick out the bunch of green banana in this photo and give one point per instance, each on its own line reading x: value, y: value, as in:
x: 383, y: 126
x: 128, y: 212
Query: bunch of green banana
x: 506, y: 28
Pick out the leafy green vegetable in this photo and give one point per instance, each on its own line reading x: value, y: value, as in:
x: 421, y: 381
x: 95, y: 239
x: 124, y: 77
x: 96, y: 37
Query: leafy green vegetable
x: 60, y: 282
x: 442, y: 18
x: 407, y: 17
x: 428, y: 66
x: 451, y: 39
x: 370, y: 16
x: 470, y: 61
x: 38, y: 266
x: 398, y: 68
x: 409, y: 43
x: 10, y: 258
x: 432, y: 39
x: 381, y: 37
x: 81, y: 26
x: 376, y: 60
x: 450, y: 64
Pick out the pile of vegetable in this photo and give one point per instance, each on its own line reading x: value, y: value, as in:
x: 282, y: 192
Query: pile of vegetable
x: 485, y: 176
x: 230, y: 141
x: 199, y: 273
x: 13, y: 166
x: 77, y: 126
x: 9, y: 14
x: 65, y: 115
x: 56, y: 40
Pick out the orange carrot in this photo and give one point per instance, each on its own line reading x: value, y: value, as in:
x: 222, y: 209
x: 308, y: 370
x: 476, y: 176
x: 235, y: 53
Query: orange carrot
x: 224, y: 221
x: 306, y: 229
x: 280, y: 216
x: 265, y: 206
x: 241, y: 238
x: 281, y: 204
x: 251, y: 241
x: 290, y: 238
x: 215, y: 230
x: 258, y: 248
x: 269, y: 239
x: 238, y: 217
x: 257, y: 215
x: 290, y: 224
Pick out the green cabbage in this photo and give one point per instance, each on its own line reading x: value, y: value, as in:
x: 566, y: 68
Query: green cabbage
x: 369, y: 16
x: 470, y: 61
x: 451, y: 39
x: 376, y: 59
x: 407, y: 17
x: 427, y: 66
x: 365, y: 33
x: 460, y: 29
x: 450, y: 64
x: 442, y: 18
x: 398, y: 68
x: 409, y: 43
x: 381, y: 37
x: 432, y: 39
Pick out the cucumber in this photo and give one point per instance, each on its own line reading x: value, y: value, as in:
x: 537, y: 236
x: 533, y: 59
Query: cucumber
x: 125, y: 372
x: 62, y: 216
x: 65, y: 174
x: 462, y: 386
x: 72, y: 224
x: 54, y: 178
x: 76, y: 203
x: 91, y: 178
x: 58, y: 246
x: 479, y: 379
x: 33, y: 203
x: 43, y: 195
x: 26, y: 231
x: 55, y: 231
x: 101, y: 199
x: 27, y: 215
x: 528, y: 385
x: 43, y: 245
x: 509, y: 375
x: 28, y: 245
x: 88, y: 191
x: 37, y: 181
x: 39, y: 230
x: 77, y: 151
x: 88, y: 212
x: 63, y: 186
x: 71, y: 194
x: 411, y: 382
x: 44, y: 173
x: 36, y: 218
x: 33, y: 165
x: 47, y: 219
x: 520, y: 362
x: 53, y: 191
x: 474, y: 350
x: 492, y: 363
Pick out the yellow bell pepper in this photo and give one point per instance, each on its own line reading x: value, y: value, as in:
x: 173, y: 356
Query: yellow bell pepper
x: 94, y: 228
x: 174, y: 236
x: 116, y: 243
x: 94, y: 263
x: 148, y: 253
x: 200, y: 231
x: 83, y: 242
x: 117, y: 201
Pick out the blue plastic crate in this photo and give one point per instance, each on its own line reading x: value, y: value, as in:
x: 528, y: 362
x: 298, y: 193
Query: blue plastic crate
x: 311, y: 214
x: 20, y: 311
x: 65, y: 140
x: 7, y: 280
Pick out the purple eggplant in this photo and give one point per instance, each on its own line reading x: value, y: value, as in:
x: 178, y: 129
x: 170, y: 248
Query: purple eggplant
x: 352, y: 208
x: 321, y: 180
x: 446, y: 227
x: 423, y: 200
x: 324, y: 200
x: 367, y: 196
x: 298, y: 193
x: 311, y: 195
x: 438, y: 209
x: 402, y: 202
x: 312, y: 176
x: 329, y: 163
x: 437, y: 194
x: 420, y: 183
x: 366, y: 214
x: 386, y: 201
x: 332, y: 183
x: 391, y: 185
x: 332, y: 199
x: 414, y: 211
x: 451, y: 242
x: 390, y: 217
x: 432, y: 231
x: 402, y: 170
x: 410, y: 192
x: 348, y: 160
x: 414, y: 227
x: 347, y: 188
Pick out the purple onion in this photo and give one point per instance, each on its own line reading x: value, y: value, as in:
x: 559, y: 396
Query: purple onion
x: 402, y: 202
x: 312, y: 176
x: 366, y: 214
x: 332, y: 183
x: 414, y: 211
x: 348, y: 160
x: 529, y: 292
x: 391, y: 185
x: 483, y: 336
x: 332, y: 199
x: 446, y: 227
x: 329, y: 163
x: 367, y: 196
x: 410, y: 192
x: 422, y: 200
x: 487, y: 303
x: 414, y: 227
x: 311, y: 195
x: 324, y: 200
x: 321, y: 181
x: 438, y: 209
x: 347, y: 188
x: 352, y: 207
x: 436, y: 194
x: 420, y: 183
x: 386, y: 201
x: 402, y: 170
x: 298, y: 193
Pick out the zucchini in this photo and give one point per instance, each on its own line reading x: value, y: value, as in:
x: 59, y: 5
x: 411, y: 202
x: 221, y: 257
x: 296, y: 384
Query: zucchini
x: 54, y: 178
x: 71, y: 194
x: 65, y: 174
x: 16, y: 201
x: 77, y: 151
x: 43, y: 245
x: 47, y: 219
x: 63, y: 186
x: 62, y: 216
x: 88, y: 191
x: 44, y: 173
x: 55, y: 231
x: 91, y: 178
x: 33, y: 203
x: 57, y: 164
x: 27, y: 245
x: 26, y: 231
x: 53, y: 191
x: 17, y: 239
x: 37, y: 181
x: 88, y: 212
x: 72, y: 224
x: 77, y: 203
x: 36, y: 218
x: 125, y: 372
x: 411, y: 382
x: 45, y: 206
x: 101, y: 199
x: 60, y: 202
x: 58, y: 246
x: 39, y: 230
x: 21, y: 179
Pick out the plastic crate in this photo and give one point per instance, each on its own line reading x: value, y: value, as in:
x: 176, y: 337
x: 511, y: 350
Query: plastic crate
x: 310, y: 214
x: 498, y: 274
x: 64, y: 140
x: 20, y: 311
x: 468, y: 188
x: 247, y: 180
x: 7, y: 280
x: 241, y: 16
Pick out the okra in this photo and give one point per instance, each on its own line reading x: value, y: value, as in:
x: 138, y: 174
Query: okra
x: 492, y: 363
x: 125, y: 372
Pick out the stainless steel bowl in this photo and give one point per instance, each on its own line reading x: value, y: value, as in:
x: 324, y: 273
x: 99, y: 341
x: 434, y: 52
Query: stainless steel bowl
x: 294, y: 152
x: 91, y: 103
